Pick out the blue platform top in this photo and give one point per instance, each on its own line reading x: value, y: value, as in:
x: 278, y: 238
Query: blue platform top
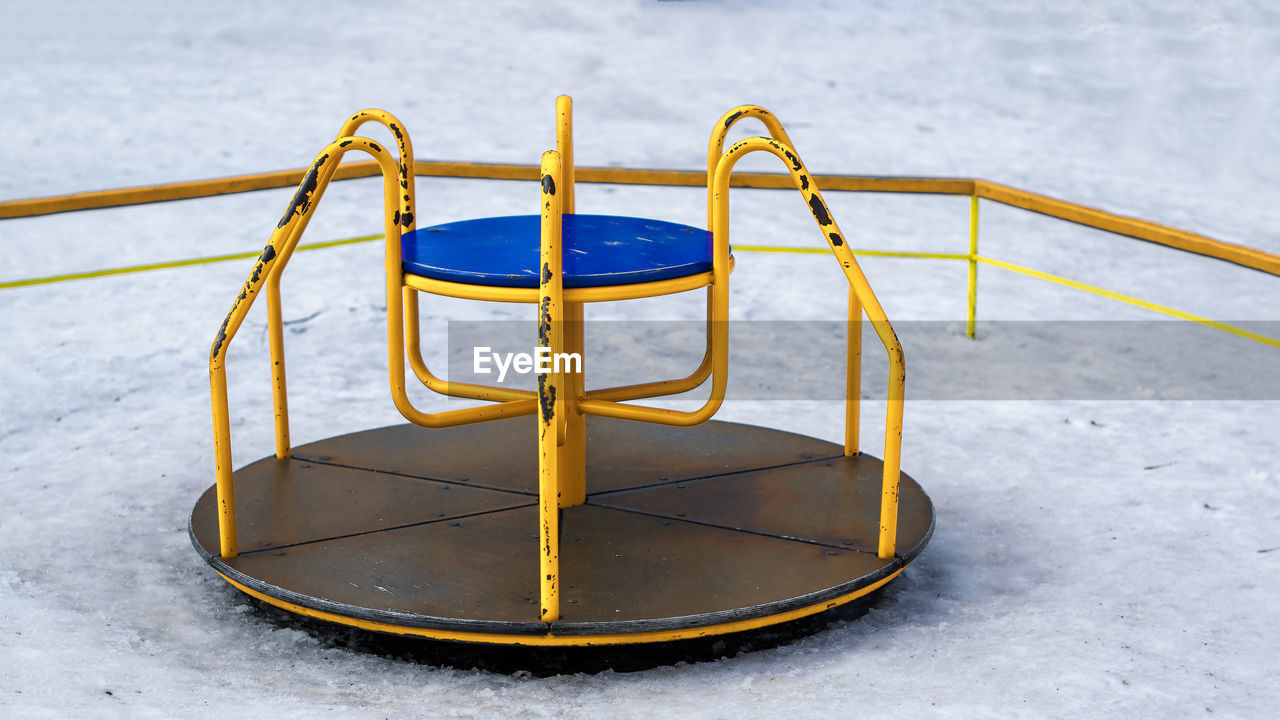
x: 598, y: 250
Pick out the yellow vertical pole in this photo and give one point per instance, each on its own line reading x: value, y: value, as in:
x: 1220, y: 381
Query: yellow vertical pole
x: 279, y: 393
x: 573, y: 453
x: 550, y: 389
x: 889, y: 487
x: 853, y: 375
x: 971, y: 326
x: 275, y: 321
x: 228, y: 544
x: 572, y: 460
x: 564, y: 145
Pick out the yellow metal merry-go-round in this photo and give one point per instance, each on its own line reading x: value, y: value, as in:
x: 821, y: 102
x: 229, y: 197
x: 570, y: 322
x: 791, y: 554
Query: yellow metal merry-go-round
x: 563, y: 515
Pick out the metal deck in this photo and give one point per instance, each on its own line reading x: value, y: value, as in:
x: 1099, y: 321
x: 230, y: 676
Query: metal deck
x: 420, y: 531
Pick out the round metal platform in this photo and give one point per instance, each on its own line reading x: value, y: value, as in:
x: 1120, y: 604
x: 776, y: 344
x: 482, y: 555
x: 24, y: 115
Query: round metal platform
x: 686, y: 532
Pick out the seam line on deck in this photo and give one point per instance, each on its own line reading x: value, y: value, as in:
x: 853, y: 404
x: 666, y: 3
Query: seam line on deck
x: 696, y: 478
x: 847, y: 548
x: 459, y: 483
x: 491, y: 511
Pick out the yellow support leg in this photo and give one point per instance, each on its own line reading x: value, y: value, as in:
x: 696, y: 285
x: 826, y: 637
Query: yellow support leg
x: 551, y: 389
x: 572, y: 455
x: 971, y: 326
x: 228, y: 544
x: 889, y: 487
x: 279, y: 391
x: 853, y: 375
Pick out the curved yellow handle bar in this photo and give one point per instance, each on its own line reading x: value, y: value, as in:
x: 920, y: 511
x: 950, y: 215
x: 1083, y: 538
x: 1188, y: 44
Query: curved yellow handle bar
x: 861, y: 291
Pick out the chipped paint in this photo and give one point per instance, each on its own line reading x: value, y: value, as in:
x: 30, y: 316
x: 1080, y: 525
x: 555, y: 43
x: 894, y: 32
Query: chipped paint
x: 302, y: 199
x: 819, y: 210
x: 546, y: 399
x: 544, y: 321
x: 795, y: 161
x: 268, y: 254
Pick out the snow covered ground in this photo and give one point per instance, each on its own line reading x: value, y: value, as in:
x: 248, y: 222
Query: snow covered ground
x: 1093, y: 556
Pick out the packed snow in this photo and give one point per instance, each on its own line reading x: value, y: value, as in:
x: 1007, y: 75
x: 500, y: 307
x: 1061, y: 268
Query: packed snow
x: 1096, y: 554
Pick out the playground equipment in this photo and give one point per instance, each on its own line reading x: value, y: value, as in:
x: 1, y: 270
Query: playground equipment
x: 565, y: 515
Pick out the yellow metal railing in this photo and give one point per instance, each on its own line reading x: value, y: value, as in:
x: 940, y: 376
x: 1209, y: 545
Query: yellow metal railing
x: 1004, y: 194
x: 1091, y: 217
x: 862, y: 299
x: 273, y: 259
x: 266, y: 274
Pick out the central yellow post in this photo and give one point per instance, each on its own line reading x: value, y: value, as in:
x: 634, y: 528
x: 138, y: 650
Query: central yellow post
x: 572, y: 455
x: 571, y: 458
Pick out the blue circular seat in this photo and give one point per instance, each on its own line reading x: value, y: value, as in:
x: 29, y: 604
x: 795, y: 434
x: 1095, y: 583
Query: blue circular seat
x: 599, y: 250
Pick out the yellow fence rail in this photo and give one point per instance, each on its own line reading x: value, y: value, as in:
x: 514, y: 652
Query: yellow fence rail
x: 977, y: 189
x: 1033, y: 202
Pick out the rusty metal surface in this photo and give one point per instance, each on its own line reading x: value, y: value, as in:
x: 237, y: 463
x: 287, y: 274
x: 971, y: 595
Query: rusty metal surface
x: 285, y: 502
x: 834, y: 502
x: 622, y: 572
x: 620, y: 454
x: 496, y: 454
x: 667, y: 539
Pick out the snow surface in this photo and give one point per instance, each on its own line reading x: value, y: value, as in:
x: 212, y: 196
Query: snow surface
x: 1092, y: 557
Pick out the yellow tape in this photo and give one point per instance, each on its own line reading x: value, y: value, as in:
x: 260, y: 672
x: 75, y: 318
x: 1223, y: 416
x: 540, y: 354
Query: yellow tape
x: 1165, y: 310
x: 174, y: 264
x: 866, y: 253
x: 369, y: 238
x: 1075, y: 285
